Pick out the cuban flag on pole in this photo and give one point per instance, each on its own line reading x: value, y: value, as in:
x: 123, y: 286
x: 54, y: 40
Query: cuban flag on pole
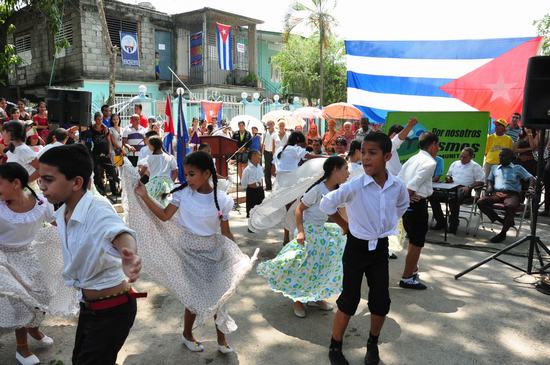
x: 182, y: 139
x: 225, y: 49
x: 168, y: 128
x: 454, y: 75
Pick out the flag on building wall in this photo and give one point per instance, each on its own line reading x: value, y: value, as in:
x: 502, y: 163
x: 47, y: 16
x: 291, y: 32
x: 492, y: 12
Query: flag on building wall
x: 168, y: 127
x: 211, y: 109
x: 129, y: 49
x: 196, y: 48
x: 457, y: 75
x: 225, y: 49
x: 183, y: 139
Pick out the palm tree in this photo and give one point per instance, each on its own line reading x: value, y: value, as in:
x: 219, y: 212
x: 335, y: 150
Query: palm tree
x: 317, y: 14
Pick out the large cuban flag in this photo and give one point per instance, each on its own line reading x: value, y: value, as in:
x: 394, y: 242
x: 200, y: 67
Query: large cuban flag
x: 456, y: 75
x: 225, y: 50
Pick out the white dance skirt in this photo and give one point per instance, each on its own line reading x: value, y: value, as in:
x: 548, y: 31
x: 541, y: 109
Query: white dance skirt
x: 202, y: 272
x: 31, y: 283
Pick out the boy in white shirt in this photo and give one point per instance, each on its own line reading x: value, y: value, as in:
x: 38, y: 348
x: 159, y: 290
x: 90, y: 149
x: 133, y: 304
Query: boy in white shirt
x: 253, y: 175
x: 417, y: 174
x: 99, y: 254
x: 374, y: 203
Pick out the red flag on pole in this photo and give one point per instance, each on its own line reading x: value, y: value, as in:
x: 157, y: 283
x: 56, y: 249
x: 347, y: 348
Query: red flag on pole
x: 168, y: 127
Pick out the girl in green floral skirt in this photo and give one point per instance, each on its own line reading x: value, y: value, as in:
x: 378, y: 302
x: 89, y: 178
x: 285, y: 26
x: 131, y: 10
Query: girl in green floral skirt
x: 308, y: 270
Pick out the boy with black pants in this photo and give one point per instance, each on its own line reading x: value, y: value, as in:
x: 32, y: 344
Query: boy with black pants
x: 374, y: 203
x: 99, y: 255
x: 253, y: 176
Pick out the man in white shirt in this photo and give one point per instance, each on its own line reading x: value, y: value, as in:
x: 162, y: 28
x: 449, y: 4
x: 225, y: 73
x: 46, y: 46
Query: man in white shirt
x: 133, y: 138
x: 467, y: 173
x: 268, y: 149
x: 398, y: 134
x: 417, y: 174
x: 252, y: 179
x: 99, y: 255
x: 60, y: 138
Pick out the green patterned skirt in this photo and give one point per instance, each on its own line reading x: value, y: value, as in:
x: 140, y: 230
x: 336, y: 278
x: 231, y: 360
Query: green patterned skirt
x: 308, y: 272
x: 159, y: 185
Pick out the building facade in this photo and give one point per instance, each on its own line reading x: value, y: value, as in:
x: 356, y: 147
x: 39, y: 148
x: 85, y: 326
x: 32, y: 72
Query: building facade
x: 167, y: 43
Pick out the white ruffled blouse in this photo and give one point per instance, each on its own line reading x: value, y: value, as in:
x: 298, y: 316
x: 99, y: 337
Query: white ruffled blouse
x: 20, y: 229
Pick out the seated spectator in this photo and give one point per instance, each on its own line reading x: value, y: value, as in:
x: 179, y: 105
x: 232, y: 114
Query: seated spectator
x: 469, y: 175
x: 504, y: 186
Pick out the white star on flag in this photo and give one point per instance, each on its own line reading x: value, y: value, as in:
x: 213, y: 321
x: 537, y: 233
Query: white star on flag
x: 501, y: 89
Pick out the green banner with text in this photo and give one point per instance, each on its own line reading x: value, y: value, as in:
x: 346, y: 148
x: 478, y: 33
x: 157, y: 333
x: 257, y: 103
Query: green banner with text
x: 455, y: 130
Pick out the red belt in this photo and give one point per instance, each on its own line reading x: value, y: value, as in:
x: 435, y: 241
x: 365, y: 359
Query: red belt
x: 114, y: 301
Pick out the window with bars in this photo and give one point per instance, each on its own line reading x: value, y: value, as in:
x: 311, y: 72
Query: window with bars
x: 23, y: 48
x: 116, y: 25
x: 65, y: 32
x: 22, y: 43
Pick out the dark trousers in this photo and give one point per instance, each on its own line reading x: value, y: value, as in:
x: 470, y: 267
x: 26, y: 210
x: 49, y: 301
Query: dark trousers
x: 268, y: 159
x: 546, y: 181
x: 358, y: 261
x: 254, y: 196
x: 101, y: 334
x: 510, y: 200
x: 454, y: 208
x: 104, y: 165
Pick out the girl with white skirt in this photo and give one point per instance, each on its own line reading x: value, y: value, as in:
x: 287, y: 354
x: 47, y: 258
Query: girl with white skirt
x: 201, y: 266
x: 28, y: 272
x: 309, y: 269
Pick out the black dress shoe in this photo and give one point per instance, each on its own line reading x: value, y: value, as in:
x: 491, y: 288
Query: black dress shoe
x: 438, y: 226
x: 453, y: 229
x: 372, y: 357
x: 336, y: 357
x: 498, y: 238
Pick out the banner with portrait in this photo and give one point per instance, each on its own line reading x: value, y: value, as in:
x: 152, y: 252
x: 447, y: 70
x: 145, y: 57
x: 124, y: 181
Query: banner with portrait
x: 129, y: 49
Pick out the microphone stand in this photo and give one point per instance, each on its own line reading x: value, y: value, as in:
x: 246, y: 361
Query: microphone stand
x: 237, y: 206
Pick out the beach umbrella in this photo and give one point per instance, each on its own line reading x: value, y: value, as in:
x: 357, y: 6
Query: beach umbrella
x: 342, y: 111
x: 249, y: 122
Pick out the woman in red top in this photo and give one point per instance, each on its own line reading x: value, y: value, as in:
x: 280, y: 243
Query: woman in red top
x: 41, y: 121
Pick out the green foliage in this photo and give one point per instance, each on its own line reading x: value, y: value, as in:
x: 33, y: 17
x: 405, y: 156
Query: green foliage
x: 543, y: 29
x: 300, y: 66
x: 51, y: 10
x: 250, y: 80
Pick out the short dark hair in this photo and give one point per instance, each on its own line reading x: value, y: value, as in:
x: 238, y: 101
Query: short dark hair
x: 396, y: 128
x: 71, y: 160
x: 151, y: 133
x: 252, y: 152
x: 427, y: 139
x: 138, y: 106
x: 60, y: 134
x: 341, y: 141
x: 241, y: 122
x: 382, y: 139
x: 470, y: 150
x: 365, y: 119
x: 103, y: 107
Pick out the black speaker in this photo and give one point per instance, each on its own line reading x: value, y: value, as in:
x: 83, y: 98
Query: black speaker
x: 536, y: 96
x: 69, y: 107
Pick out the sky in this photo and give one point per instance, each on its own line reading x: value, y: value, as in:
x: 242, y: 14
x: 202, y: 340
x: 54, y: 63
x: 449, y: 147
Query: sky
x: 394, y: 19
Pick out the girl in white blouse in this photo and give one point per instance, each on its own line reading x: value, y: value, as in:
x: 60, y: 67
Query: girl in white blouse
x: 204, y: 267
x: 14, y: 136
x: 24, y: 296
x: 354, y: 157
x: 286, y: 160
x: 162, y: 169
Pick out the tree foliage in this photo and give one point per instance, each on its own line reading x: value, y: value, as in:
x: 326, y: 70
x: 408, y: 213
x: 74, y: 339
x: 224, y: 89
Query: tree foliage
x: 317, y: 14
x: 300, y: 68
x: 543, y: 29
x: 51, y: 10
